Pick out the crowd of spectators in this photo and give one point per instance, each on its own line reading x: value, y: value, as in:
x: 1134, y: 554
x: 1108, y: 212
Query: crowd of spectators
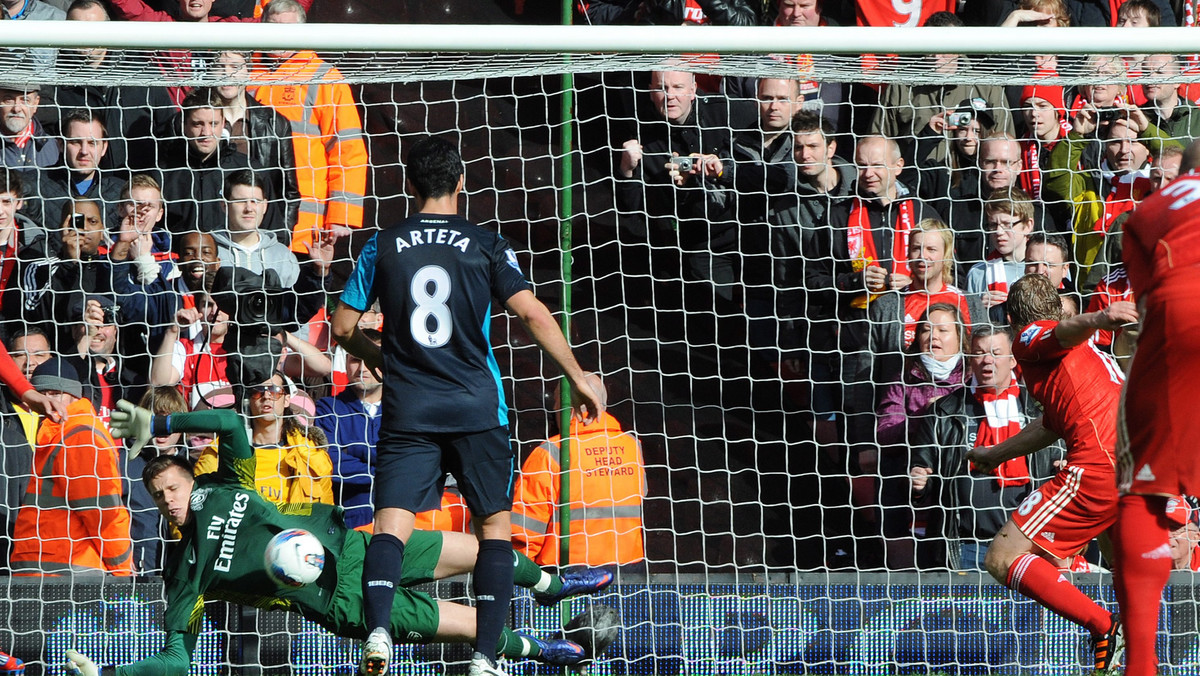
x: 867, y: 235
x: 870, y: 233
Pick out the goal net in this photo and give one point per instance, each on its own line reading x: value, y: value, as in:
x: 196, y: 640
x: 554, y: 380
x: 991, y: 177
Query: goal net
x: 702, y: 208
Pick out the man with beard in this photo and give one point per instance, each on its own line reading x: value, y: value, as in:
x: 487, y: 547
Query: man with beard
x: 25, y: 144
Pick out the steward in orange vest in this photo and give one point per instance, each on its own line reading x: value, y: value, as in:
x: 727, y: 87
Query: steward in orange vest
x: 607, y: 484
x: 331, y: 155
x: 72, y: 519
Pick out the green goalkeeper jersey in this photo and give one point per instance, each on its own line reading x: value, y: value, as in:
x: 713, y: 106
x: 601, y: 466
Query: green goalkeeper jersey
x: 220, y: 555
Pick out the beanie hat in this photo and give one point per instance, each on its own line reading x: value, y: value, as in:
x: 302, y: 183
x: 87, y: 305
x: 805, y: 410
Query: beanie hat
x: 56, y: 375
x: 1050, y: 93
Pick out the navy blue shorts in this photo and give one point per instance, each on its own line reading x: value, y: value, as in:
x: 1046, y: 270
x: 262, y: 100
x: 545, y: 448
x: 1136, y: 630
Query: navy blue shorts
x: 411, y: 467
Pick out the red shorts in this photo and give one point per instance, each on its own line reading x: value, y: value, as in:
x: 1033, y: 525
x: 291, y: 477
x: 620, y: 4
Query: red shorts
x: 1160, y: 417
x: 1068, y: 511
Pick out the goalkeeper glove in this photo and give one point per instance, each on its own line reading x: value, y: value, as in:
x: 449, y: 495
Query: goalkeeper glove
x: 81, y: 665
x: 131, y: 422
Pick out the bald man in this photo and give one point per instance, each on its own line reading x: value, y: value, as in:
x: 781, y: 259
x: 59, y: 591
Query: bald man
x: 863, y: 253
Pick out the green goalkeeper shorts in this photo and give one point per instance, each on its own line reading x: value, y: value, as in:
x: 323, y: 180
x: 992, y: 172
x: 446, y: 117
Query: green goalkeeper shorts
x: 415, y: 614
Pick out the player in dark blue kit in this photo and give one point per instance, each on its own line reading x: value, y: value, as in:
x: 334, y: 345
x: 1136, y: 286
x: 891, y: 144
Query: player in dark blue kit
x: 435, y: 276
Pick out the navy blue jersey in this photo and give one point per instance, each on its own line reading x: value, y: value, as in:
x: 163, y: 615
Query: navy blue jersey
x: 435, y: 277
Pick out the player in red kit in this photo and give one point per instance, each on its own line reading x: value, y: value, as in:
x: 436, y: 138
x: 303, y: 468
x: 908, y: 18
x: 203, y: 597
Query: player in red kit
x: 1161, y: 249
x: 1079, y: 389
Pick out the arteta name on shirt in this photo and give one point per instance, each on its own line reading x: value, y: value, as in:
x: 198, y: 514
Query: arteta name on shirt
x: 446, y: 236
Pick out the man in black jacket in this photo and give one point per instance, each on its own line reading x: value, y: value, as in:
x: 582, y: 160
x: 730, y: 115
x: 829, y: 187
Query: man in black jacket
x: 138, y: 117
x: 682, y: 198
x: 966, y: 507
x: 261, y: 133
x: 79, y: 178
x: 194, y: 174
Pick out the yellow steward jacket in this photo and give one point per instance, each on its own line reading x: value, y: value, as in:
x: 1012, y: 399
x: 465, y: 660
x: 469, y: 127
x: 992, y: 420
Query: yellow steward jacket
x: 607, y: 484
x: 331, y: 155
x: 298, y: 471
x: 72, y: 519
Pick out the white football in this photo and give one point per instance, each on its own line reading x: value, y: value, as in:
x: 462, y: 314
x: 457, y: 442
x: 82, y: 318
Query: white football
x: 294, y: 558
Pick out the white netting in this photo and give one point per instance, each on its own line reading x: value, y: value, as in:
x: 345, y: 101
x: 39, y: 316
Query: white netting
x: 724, y: 349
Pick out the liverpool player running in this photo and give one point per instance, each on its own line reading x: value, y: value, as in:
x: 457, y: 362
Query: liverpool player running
x: 1079, y: 389
x: 226, y: 526
x: 1161, y: 248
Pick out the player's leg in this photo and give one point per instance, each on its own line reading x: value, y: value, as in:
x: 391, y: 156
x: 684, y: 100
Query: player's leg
x: 457, y: 624
x: 485, y: 467
x: 408, y: 479
x: 1143, y: 560
x: 459, y: 552
x: 1016, y: 562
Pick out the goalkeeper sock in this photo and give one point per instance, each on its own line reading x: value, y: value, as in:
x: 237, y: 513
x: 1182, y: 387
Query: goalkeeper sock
x: 382, y: 567
x: 493, y: 584
x: 1038, y: 579
x: 1143, y: 553
x: 529, y: 575
x: 512, y: 645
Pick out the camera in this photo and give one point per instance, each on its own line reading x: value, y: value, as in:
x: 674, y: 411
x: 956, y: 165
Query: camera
x: 685, y: 164
x: 257, y: 305
x: 1110, y: 115
x: 112, y: 314
x: 78, y: 221
x: 959, y: 118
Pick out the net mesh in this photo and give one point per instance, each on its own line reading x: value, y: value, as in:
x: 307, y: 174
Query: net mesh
x: 702, y: 306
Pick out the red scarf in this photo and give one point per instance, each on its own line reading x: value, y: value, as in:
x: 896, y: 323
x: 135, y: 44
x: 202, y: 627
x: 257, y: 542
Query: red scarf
x: 995, y: 274
x: 1031, y: 172
x: 24, y: 136
x: 1002, y: 420
x: 1124, y: 193
x: 862, y: 242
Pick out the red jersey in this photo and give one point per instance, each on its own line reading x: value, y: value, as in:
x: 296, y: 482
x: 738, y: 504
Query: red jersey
x: 1163, y: 235
x: 917, y: 302
x: 201, y: 369
x: 1079, y: 389
x: 889, y: 13
x: 1113, y: 288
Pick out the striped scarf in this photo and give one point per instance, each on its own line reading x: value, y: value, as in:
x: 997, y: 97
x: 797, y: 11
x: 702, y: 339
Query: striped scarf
x: 1002, y: 420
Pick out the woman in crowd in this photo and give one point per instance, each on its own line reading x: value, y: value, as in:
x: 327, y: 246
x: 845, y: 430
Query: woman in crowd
x: 932, y: 369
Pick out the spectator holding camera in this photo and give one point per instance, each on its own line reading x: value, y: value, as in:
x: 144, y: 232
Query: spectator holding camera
x: 64, y: 268
x: 97, y: 360
x: 669, y: 173
x: 904, y: 109
x: 1120, y: 181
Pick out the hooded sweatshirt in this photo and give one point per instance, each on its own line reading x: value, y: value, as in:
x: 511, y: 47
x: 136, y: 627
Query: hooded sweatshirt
x: 268, y: 254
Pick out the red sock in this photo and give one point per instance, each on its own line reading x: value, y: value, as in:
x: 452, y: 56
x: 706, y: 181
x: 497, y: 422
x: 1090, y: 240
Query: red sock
x: 1142, y: 568
x: 1038, y: 579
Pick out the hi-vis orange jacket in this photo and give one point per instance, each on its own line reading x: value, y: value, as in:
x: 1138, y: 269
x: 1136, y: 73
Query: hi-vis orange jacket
x: 72, y: 519
x: 331, y: 155
x: 607, y: 484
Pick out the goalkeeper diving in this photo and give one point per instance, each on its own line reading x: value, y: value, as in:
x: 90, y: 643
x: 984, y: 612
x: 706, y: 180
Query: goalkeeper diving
x: 226, y: 525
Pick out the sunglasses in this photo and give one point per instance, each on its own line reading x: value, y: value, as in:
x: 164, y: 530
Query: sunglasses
x: 275, y: 391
